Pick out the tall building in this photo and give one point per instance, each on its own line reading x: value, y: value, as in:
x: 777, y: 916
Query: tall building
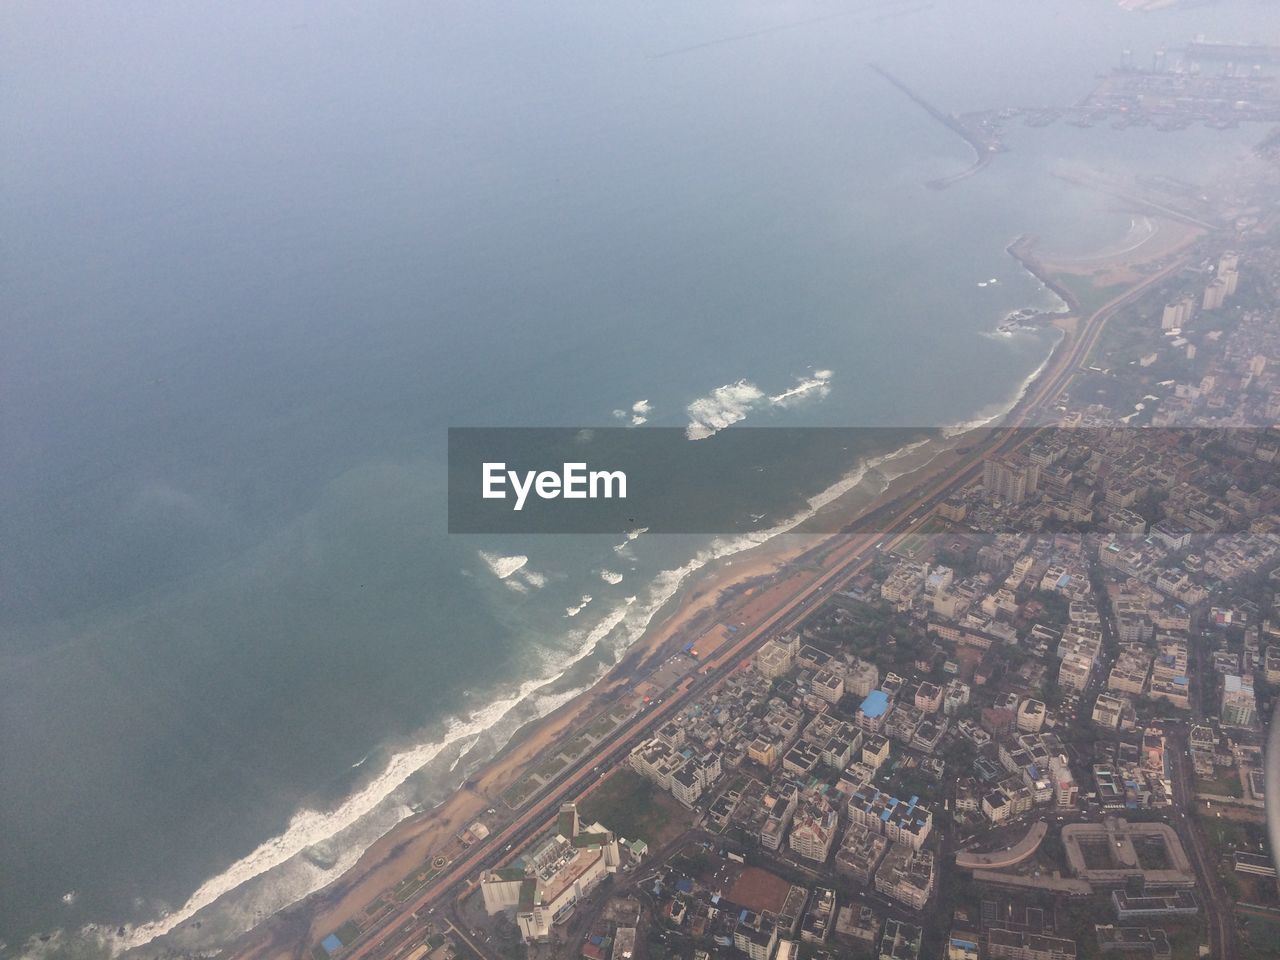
x: 813, y: 828
x: 781, y: 802
x: 554, y: 876
x: 1073, y: 674
x: 1177, y: 313
x: 860, y: 852
x: 1013, y: 480
x: 1215, y: 294
x: 906, y: 875
x: 873, y: 712
x: 1239, y: 705
x: 1065, y: 790
x: 756, y: 935
x: 1030, y: 716
x: 777, y: 655
x: 902, y: 821
x: 820, y: 917
x: 861, y: 678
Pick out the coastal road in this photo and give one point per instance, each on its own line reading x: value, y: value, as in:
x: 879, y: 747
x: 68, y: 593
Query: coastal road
x: 1063, y: 368
x: 843, y: 563
x: 614, y: 749
x: 847, y: 559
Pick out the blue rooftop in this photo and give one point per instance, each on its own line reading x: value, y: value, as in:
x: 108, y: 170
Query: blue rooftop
x: 876, y: 703
x: 331, y: 944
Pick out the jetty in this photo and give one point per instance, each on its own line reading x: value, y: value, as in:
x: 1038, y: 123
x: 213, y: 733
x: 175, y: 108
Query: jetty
x: 983, y: 147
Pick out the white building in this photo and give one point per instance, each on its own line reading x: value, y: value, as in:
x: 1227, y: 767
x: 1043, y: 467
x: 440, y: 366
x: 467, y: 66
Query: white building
x: 554, y: 876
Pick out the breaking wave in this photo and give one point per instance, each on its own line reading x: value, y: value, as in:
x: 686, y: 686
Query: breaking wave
x: 631, y: 536
x: 503, y: 567
x: 733, y: 402
x: 514, y: 571
x: 638, y: 414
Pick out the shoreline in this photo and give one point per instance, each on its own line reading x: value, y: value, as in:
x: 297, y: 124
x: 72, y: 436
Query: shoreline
x: 714, y: 585
x: 1020, y: 249
x: 714, y: 588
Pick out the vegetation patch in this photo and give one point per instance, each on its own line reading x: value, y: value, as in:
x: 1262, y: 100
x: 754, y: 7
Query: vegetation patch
x: 1258, y: 936
x: 634, y: 808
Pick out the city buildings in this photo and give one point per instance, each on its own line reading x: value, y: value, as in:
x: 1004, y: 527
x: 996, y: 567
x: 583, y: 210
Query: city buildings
x: 1239, y: 703
x: 906, y: 875
x: 1012, y: 480
x: 554, y: 876
x: 907, y: 822
x: 813, y: 829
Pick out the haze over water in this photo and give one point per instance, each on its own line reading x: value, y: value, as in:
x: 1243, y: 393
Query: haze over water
x: 261, y: 257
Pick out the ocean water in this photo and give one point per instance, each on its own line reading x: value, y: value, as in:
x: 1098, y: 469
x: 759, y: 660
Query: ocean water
x: 259, y: 259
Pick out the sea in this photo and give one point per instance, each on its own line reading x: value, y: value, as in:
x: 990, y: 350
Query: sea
x: 258, y: 259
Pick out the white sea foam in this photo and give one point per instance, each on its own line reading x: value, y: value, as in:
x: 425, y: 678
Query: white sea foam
x: 577, y: 608
x: 621, y: 548
x: 533, y: 578
x: 608, y: 576
x: 732, y: 402
x: 514, y: 572
x: 308, y: 828
x: 500, y: 566
x: 638, y: 414
x: 993, y: 412
x: 818, y: 384
x: 724, y: 406
x: 464, y: 751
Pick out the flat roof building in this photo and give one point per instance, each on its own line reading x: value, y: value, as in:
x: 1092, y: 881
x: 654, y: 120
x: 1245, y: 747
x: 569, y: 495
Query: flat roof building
x: 554, y: 876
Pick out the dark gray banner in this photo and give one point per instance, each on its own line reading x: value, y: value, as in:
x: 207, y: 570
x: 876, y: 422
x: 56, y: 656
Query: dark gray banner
x: 614, y: 480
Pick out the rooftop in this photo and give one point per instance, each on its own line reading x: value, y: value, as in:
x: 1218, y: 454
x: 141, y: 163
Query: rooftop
x: 875, y: 704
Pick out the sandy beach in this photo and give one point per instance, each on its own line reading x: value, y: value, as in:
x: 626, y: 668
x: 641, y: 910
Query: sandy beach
x: 1162, y: 238
x: 407, y: 846
x: 709, y: 597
